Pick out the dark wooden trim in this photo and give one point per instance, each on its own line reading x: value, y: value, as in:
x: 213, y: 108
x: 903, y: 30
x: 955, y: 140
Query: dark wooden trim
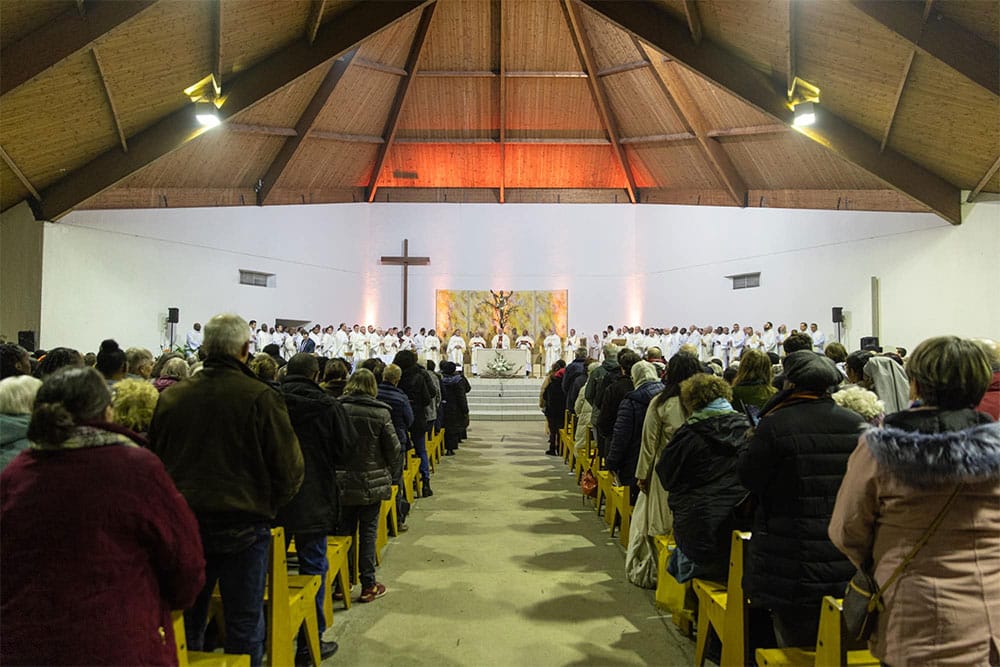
x: 983, y: 181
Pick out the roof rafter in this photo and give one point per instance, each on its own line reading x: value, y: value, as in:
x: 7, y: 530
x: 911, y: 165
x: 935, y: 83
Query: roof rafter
x: 72, y: 32
x: 709, y: 61
x: 217, y: 45
x: 501, y: 51
x: 315, y: 18
x: 984, y: 180
x: 252, y: 85
x: 693, y: 19
x: 402, y: 92
x: 20, y: 174
x: 790, y: 46
x: 110, y: 98
x: 600, y: 99
x: 684, y: 103
x: 305, y: 124
x: 943, y: 39
x: 899, y: 95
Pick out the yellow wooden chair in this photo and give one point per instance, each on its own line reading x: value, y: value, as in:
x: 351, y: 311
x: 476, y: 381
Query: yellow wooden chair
x: 675, y: 597
x: 387, y: 522
x: 582, y: 457
x: 410, y: 474
x: 832, y: 647
x: 724, y: 608
x: 186, y: 658
x: 623, y: 508
x: 612, y: 498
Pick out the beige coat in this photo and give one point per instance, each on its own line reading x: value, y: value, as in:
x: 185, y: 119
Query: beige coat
x: 945, y: 608
x: 662, y: 419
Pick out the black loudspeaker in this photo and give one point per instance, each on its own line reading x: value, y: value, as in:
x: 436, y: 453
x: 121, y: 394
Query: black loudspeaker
x: 173, y: 315
x: 870, y: 342
x: 838, y: 314
x: 26, y: 339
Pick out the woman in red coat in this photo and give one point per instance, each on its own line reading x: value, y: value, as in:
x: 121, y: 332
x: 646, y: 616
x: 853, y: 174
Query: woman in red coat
x: 98, y: 545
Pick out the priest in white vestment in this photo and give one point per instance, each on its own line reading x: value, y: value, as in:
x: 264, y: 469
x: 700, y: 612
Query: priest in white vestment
x: 769, y: 340
x: 694, y: 340
x: 418, y: 340
x: 341, y: 342
x: 553, y: 348
x: 327, y: 346
x: 477, y: 342
x: 390, y: 344
x: 526, y: 342
x: 780, y: 338
x: 720, y: 346
x: 707, y: 343
x: 737, y: 339
x: 432, y: 347
x: 500, y: 341
x: 456, y: 348
x: 263, y: 338
x: 374, y: 342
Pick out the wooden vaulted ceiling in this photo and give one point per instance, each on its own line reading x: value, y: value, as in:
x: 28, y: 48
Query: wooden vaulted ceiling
x: 665, y: 101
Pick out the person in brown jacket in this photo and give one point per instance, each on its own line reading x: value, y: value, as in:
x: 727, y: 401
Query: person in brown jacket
x: 945, y: 607
x: 227, y: 442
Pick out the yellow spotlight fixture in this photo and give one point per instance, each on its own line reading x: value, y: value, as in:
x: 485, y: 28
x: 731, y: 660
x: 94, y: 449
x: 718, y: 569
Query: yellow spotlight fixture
x: 207, y: 114
x: 805, y: 114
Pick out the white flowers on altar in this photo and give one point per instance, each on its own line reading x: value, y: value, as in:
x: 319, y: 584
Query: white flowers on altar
x: 500, y: 366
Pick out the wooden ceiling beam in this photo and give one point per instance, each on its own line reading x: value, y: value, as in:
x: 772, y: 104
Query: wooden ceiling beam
x: 263, y: 130
x: 648, y: 22
x: 19, y: 174
x: 402, y: 92
x: 290, y: 149
x: 659, y: 138
x: 379, y: 67
x: 346, y: 138
x: 895, y: 103
x: 941, y: 38
x: 359, y: 22
x: 624, y: 67
x: 675, y: 89
x: 111, y: 100
x: 693, y: 20
x: 752, y: 130
x: 502, y: 64
x: 315, y: 19
x: 597, y: 91
x: 984, y: 180
x: 70, y: 33
x: 217, y: 45
x: 790, y: 48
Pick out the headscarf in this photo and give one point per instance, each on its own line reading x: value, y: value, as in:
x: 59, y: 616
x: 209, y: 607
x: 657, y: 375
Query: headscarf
x: 644, y: 372
x: 889, y: 381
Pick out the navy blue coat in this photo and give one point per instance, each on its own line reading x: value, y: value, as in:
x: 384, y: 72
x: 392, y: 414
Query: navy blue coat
x: 626, y: 441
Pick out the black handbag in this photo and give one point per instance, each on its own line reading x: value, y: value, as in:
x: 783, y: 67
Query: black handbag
x: 863, y: 597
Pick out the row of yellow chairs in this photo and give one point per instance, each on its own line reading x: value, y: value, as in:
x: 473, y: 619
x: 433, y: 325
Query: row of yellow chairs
x: 297, y: 593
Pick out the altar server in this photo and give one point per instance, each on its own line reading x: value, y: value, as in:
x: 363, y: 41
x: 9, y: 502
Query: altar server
x: 456, y: 348
x: 432, y: 347
x: 553, y: 346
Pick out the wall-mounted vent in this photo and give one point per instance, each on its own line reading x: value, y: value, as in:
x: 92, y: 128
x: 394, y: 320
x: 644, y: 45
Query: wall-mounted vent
x: 745, y: 280
x: 407, y: 175
x: 257, y: 278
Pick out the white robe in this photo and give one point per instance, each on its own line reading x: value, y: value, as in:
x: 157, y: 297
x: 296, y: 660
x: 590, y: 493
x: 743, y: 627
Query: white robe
x: 476, y: 343
x: 390, y: 345
x: 374, y: 345
x: 290, y: 346
x: 341, y: 344
x: 432, y: 349
x: 769, y: 341
x: 707, y: 343
x: 359, y: 346
x: 527, y: 343
x: 419, y: 343
x: 327, y: 347
x: 736, y: 343
x: 779, y: 339
x: 263, y: 340
x: 552, y: 345
x: 500, y: 343
x: 407, y: 344
x: 456, y: 350
x: 253, y: 342
x: 694, y: 339
x: 720, y: 349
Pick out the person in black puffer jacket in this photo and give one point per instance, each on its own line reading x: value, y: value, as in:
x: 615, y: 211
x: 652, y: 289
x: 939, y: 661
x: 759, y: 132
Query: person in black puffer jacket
x: 575, y: 370
x: 616, y: 384
x: 623, y: 456
x: 456, y: 406
x: 402, y: 420
x: 327, y: 441
x: 698, y: 469
x: 793, y: 465
x: 416, y: 384
x: 366, y: 479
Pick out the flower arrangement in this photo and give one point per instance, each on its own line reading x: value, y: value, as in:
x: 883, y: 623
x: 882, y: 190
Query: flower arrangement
x: 500, y: 366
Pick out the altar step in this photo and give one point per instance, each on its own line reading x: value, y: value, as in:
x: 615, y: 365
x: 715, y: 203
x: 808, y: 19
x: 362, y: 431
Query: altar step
x: 514, y: 399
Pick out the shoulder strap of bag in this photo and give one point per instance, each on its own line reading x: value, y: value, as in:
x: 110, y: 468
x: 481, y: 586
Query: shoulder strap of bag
x: 875, y: 601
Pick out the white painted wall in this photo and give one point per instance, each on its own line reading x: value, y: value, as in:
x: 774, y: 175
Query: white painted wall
x: 114, y: 273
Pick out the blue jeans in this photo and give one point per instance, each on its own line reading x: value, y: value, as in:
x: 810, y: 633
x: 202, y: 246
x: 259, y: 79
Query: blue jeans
x: 312, y: 560
x: 418, y: 434
x: 364, y: 519
x: 241, y: 577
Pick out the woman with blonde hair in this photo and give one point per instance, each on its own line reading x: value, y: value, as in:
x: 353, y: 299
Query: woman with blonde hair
x: 365, y: 479
x: 752, y: 385
x: 919, y: 508
x: 17, y: 395
x: 134, y: 404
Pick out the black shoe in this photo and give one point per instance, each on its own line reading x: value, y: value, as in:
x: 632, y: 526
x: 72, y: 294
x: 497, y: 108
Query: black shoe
x: 427, y: 493
x: 449, y: 452
x: 326, y: 649
x: 551, y: 452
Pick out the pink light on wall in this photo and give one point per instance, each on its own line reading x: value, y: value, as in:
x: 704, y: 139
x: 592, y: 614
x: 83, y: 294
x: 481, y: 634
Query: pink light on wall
x: 635, y: 300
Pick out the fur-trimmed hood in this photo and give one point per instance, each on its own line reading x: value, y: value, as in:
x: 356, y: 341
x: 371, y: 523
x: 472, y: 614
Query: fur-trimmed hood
x: 931, y: 459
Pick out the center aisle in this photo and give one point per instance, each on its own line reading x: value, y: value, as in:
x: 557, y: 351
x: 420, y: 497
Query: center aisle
x: 505, y: 565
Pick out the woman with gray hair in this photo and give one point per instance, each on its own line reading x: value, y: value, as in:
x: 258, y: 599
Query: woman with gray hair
x: 173, y: 371
x: 17, y: 395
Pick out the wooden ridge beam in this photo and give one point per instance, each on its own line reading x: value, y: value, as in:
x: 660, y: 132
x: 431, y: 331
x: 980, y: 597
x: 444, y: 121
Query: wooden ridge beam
x: 249, y: 87
x: 111, y: 100
x: 290, y: 149
x: 693, y: 20
x: 714, y: 64
x: 600, y: 99
x: 941, y: 38
x: 674, y: 88
x: 895, y: 103
x: 315, y: 18
x: 501, y: 51
x: 982, y: 182
x: 402, y: 92
x: 19, y: 174
x: 70, y: 33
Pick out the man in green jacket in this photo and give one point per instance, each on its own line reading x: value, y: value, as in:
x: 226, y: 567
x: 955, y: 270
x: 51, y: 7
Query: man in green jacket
x: 227, y: 442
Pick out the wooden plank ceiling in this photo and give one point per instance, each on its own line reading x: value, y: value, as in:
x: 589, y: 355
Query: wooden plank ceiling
x: 664, y: 101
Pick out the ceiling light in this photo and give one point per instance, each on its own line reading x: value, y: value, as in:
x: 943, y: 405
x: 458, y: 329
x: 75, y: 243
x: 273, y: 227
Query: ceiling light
x: 207, y: 114
x: 805, y: 114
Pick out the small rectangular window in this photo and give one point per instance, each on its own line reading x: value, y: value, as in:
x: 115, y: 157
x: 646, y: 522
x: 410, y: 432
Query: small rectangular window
x: 745, y: 280
x: 256, y: 278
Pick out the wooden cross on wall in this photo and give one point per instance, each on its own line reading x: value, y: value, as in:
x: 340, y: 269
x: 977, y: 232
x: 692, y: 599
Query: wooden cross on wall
x: 406, y: 260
